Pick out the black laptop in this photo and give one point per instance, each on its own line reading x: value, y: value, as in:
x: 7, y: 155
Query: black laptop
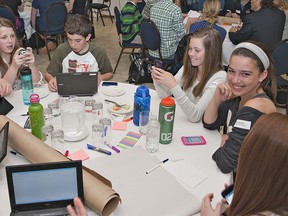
x: 4, y: 141
x: 79, y: 84
x: 44, y: 189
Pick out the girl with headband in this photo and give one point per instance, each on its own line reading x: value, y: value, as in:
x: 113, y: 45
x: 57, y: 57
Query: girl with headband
x: 249, y: 92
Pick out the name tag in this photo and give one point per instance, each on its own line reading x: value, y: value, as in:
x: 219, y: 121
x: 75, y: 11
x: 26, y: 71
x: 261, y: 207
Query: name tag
x: 243, y: 124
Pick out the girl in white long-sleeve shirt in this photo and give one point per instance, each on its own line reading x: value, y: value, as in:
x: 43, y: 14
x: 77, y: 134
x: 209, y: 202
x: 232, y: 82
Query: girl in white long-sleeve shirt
x: 194, y: 84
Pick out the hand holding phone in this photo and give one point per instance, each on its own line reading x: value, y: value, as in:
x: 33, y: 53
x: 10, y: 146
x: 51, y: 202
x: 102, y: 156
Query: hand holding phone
x: 193, y: 140
x: 228, y: 193
x: 158, y: 63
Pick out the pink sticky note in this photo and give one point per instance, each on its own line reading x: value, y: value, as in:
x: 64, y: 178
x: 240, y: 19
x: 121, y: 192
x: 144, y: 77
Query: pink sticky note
x: 79, y: 155
x: 119, y: 126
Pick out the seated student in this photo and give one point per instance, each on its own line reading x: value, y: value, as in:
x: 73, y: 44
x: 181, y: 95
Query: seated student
x: 76, y: 6
x: 11, y: 61
x: 265, y: 14
x: 194, y: 84
x: 78, y: 55
x: 249, y: 92
x: 147, y: 8
x: 15, y: 6
x: 283, y: 5
x: 261, y: 183
x: 38, y: 22
x: 208, y: 18
x: 131, y: 19
x: 237, y: 8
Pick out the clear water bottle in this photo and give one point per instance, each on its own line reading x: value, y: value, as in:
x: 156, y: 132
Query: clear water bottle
x: 27, y: 84
x: 36, y: 116
x: 152, y: 135
x: 141, y: 102
x: 166, y: 119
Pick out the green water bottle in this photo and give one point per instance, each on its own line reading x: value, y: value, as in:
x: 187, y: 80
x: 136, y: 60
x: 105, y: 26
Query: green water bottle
x: 166, y: 119
x: 36, y: 116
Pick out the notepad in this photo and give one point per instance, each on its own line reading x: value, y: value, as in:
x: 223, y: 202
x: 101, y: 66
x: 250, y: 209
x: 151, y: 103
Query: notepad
x: 79, y: 155
x: 119, y: 126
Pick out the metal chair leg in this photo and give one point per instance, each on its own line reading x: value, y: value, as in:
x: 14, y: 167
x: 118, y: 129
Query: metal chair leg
x: 118, y: 60
x: 110, y: 15
x: 101, y: 17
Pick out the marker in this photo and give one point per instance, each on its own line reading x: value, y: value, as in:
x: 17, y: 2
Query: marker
x: 104, y: 151
x: 158, y: 165
x: 112, y: 147
x: 127, y: 119
x: 16, y: 153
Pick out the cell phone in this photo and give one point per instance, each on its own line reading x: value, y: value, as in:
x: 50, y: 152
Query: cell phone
x: 23, y: 51
x: 228, y: 193
x: 109, y: 83
x: 193, y: 140
x: 158, y: 63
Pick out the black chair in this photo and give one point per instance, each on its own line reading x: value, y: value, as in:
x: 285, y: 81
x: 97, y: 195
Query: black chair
x: 98, y: 7
x: 55, y: 21
x: 151, y: 40
x: 280, y: 54
x: 7, y: 13
x: 123, y: 45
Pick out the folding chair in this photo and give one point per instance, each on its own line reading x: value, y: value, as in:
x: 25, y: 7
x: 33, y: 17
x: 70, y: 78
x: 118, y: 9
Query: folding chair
x: 279, y: 54
x: 55, y: 21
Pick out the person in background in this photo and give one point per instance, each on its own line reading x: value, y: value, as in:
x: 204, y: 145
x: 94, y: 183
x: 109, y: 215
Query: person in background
x: 249, y: 92
x: 78, y: 55
x: 237, y: 8
x: 131, y: 19
x: 261, y: 183
x: 76, y: 6
x: 11, y: 60
x: 209, y: 18
x: 16, y: 5
x: 38, y: 22
x: 194, y: 84
x: 283, y: 5
x: 168, y: 19
x: 147, y: 9
x: 264, y: 25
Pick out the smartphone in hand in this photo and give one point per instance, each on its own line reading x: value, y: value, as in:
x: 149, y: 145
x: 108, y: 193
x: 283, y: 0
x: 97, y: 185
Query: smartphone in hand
x: 228, y: 193
x: 158, y: 63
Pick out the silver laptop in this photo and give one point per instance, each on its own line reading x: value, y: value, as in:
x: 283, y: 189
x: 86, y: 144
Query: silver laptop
x: 44, y: 189
x: 79, y: 84
x: 4, y: 141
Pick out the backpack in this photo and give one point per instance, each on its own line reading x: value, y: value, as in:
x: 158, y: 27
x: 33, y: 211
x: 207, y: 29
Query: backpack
x: 138, y: 75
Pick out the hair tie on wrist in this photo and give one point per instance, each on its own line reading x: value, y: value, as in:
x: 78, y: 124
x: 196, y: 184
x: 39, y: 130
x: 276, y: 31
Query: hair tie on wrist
x: 257, y: 51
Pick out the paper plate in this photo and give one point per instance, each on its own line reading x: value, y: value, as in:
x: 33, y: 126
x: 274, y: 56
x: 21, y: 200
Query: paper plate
x: 121, y: 111
x: 113, y: 91
x: 41, y: 92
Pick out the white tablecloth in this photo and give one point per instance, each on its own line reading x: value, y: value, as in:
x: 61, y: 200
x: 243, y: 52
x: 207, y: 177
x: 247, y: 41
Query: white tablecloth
x: 196, y: 163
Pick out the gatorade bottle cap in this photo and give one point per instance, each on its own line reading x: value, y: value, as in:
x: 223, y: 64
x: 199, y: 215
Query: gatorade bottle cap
x: 142, y: 90
x: 168, y: 102
x: 34, y: 98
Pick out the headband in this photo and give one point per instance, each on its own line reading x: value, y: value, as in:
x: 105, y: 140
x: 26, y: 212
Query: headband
x: 257, y: 51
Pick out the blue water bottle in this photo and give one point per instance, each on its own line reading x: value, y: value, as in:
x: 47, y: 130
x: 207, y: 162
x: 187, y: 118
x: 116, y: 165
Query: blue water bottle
x: 27, y: 84
x: 141, y: 102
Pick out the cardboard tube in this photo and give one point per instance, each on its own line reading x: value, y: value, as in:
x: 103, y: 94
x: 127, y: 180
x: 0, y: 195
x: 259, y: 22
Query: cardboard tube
x: 98, y: 192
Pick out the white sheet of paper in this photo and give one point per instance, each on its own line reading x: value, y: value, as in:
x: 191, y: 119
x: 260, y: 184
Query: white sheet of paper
x: 156, y: 193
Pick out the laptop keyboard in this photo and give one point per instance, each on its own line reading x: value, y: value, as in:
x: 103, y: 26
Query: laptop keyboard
x: 45, y: 212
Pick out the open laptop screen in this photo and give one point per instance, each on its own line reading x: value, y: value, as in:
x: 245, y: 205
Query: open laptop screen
x: 41, y: 186
x: 4, y: 141
x: 79, y: 84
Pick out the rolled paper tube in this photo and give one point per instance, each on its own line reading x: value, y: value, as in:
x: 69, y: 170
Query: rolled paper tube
x: 98, y: 192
